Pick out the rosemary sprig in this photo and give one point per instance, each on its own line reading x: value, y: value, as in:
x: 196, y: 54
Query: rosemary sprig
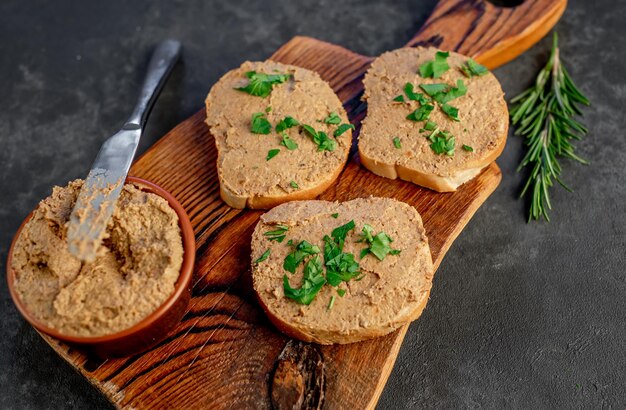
x: 543, y: 115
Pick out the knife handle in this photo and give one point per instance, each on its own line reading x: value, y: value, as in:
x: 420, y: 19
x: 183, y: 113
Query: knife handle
x: 163, y: 60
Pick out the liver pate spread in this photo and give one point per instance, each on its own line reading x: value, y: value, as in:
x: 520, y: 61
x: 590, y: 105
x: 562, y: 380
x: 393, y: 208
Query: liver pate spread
x: 135, y: 270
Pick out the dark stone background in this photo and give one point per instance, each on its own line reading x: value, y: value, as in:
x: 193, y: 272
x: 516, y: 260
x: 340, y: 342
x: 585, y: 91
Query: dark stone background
x: 521, y: 315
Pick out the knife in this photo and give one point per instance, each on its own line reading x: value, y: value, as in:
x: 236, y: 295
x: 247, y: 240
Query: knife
x: 100, y: 191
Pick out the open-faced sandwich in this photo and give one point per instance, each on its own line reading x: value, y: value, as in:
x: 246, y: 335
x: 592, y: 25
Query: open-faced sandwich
x: 434, y: 118
x: 280, y: 131
x: 330, y: 272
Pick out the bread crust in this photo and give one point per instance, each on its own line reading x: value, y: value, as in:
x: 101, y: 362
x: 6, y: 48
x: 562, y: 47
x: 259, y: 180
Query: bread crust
x: 435, y: 182
x: 330, y: 338
x: 267, y: 202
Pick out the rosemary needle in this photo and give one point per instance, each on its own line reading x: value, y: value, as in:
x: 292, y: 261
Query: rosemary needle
x: 543, y: 115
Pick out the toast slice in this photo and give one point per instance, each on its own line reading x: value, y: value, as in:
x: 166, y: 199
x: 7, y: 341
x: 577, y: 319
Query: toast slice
x: 393, y: 146
x: 249, y: 175
x: 379, y: 297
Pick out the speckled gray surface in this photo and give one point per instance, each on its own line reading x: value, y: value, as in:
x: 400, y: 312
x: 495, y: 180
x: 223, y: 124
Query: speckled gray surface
x: 524, y: 316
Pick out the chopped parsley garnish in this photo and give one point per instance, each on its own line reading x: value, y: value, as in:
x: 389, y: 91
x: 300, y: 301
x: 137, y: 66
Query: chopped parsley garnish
x: 472, y: 68
x: 331, y: 303
x: 301, y: 251
x: 396, y: 143
x: 442, y: 143
x: 430, y: 126
x: 260, y: 124
x: 451, y: 112
x: 435, y: 68
x: 277, y: 234
x: 434, y: 89
x: 265, y: 255
x: 333, y: 118
x: 335, y: 215
x: 288, y: 142
x: 286, y: 123
x: 421, y: 114
x: 311, y: 285
x: 468, y: 148
x: 343, y: 128
x: 379, y: 244
x: 268, y: 109
x: 339, y: 233
x: 272, y: 153
x: 341, y: 292
x: 409, y: 90
x: 320, y: 138
x: 260, y: 84
x: 452, y: 93
x: 294, y: 185
x: 340, y: 266
x: 443, y: 93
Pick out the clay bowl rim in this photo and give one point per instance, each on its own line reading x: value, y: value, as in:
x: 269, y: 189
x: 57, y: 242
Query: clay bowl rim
x: 180, y: 287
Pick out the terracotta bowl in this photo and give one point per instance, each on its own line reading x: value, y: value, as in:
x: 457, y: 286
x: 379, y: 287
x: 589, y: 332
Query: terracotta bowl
x: 148, y: 331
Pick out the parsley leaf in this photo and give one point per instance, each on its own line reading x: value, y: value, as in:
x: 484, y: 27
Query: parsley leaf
x: 333, y: 118
x: 260, y: 124
x: 341, y: 292
x: 331, y: 303
x: 468, y: 148
x: 442, y: 144
x: 320, y: 138
x: 340, y: 266
x: 286, y: 123
x: 435, y: 68
x: 452, y: 93
x: 288, y: 142
x: 311, y: 285
x: 472, y: 68
x: 339, y: 234
x: 294, y: 185
x: 396, y: 143
x: 301, y: 251
x: 324, y: 143
x: 421, y: 114
x: 265, y: 255
x: 277, y: 234
x: 451, y: 111
x: 379, y: 244
x: 272, y: 153
x: 409, y: 90
x: 399, y: 98
x: 343, y: 128
x: 434, y: 89
x: 430, y: 126
x: 260, y: 84
x: 336, y: 215
x: 443, y: 93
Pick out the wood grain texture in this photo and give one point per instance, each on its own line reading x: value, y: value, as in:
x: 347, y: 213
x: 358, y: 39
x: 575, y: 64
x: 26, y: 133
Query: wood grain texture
x: 494, y: 35
x: 224, y: 353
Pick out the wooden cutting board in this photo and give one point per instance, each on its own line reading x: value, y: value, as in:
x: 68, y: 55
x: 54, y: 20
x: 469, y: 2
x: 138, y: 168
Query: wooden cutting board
x: 224, y: 353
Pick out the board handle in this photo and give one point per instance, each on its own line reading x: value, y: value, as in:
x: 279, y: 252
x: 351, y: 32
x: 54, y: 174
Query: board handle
x: 493, y: 35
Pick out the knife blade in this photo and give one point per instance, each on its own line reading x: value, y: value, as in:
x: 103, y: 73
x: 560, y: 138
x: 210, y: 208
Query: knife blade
x: 99, y: 193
